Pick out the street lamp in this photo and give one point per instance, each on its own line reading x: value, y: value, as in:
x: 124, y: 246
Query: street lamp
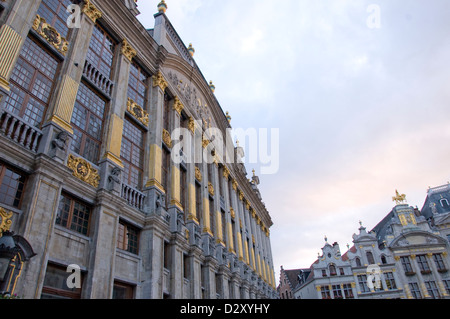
x: 8, y: 250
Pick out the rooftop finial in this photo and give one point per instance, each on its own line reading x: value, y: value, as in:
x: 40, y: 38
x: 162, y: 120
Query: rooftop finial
x: 191, y: 49
x: 212, y: 86
x: 162, y: 6
x: 228, y: 117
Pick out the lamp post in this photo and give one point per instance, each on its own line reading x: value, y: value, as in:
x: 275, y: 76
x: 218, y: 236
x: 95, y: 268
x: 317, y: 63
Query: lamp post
x: 8, y: 250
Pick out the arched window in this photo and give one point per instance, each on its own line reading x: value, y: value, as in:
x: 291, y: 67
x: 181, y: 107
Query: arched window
x: 370, y: 259
x: 383, y: 259
x: 358, y: 262
x: 333, y: 270
x: 444, y: 203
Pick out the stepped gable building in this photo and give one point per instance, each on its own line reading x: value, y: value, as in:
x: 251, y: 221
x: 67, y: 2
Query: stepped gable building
x: 93, y: 175
x: 405, y: 256
x: 289, y: 280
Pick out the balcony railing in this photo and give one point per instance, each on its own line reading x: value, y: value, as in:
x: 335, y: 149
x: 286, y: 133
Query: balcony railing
x: 21, y: 132
x: 97, y: 78
x: 134, y: 197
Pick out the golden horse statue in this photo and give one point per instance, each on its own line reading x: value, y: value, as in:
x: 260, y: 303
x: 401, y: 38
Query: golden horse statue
x: 399, y: 199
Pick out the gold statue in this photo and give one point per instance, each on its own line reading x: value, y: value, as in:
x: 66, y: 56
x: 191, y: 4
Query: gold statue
x: 399, y: 199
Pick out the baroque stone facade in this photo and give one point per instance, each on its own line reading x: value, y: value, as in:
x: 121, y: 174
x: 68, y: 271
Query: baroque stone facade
x: 404, y: 257
x: 93, y: 176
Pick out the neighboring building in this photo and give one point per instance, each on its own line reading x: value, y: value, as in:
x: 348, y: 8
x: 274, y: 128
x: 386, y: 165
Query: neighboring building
x: 289, y: 280
x: 406, y: 254
x: 92, y: 175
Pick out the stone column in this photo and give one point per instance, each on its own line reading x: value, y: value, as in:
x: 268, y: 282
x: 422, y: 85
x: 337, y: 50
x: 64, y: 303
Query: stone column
x: 100, y: 278
x: 153, y: 188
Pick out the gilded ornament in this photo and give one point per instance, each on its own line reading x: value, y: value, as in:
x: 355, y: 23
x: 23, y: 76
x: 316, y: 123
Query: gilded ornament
x: 226, y: 172
x: 138, y: 112
x: 83, y: 170
x: 158, y: 80
x: 235, y: 184
x: 198, y: 174
x: 5, y: 220
x: 211, y: 189
x: 167, y: 139
x: 233, y: 213
x: 50, y: 34
x: 191, y: 125
x: 178, y: 106
x: 91, y: 11
x: 128, y: 51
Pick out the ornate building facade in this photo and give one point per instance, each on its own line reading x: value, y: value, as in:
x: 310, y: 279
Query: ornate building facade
x: 92, y: 175
x: 405, y: 256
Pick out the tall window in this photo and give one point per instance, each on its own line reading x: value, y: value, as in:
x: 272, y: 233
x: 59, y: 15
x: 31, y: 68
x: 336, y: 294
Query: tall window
x: 165, y: 169
x: 390, y: 281
x: 370, y: 259
x: 183, y: 188
x: 423, y: 263
x: 326, y: 294
x: 439, y: 261
x: 406, y: 263
x: 362, y: 281
x: 55, y: 284
x: 415, y: 291
x: 88, y: 121
x: 12, y: 185
x: 128, y: 238
x: 333, y: 270
x: 55, y: 14
x: 348, y: 291
x: 166, y: 113
x: 211, y: 216
x: 337, y: 292
x: 198, y: 202
x: 433, y: 290
x: 138, y: 85
x: 73, y: 214
x: 32, y: 82
x: 101, y: 51
x: 132, y: 154
x: 122, y: 291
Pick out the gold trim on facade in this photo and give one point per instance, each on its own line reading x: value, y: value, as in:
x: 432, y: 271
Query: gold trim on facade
x: 91, y: 11
x: 167, y: 139
x: 158, y: 80
x: 138, y: 112
x: 83, y: 170
x: 178, y: 106
x: 198, y: 174
x: 128, y: 51
x: 50, y: 34
x: 5, y: 220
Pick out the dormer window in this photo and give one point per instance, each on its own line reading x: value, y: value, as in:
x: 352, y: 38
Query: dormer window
x: 444, y: 203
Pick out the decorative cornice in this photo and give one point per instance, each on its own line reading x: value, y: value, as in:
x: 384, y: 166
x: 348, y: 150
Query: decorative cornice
x: 138, y: 112
x: 158, y: 80
x: 83, y: 170
x: 128, y: 51
x: 91, y: 11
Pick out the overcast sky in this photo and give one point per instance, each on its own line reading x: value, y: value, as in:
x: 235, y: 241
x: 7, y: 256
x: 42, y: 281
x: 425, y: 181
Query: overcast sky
x: 362, y: 111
